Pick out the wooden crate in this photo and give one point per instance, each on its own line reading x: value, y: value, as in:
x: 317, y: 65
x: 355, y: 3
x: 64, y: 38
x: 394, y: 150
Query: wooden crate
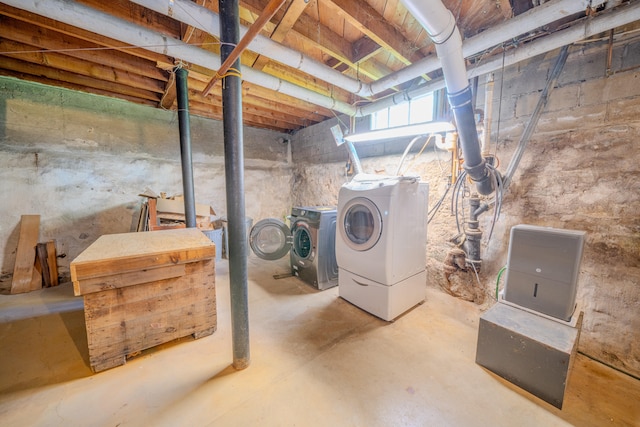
x: 145, y: 289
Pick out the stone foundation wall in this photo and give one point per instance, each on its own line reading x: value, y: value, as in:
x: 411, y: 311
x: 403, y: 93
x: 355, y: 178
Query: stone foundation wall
x: 81, y: 161
x: 580, y: 171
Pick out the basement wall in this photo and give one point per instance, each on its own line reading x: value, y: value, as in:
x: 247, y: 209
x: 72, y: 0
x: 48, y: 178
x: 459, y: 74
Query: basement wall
x: 581, y: 170
x: 81, y: 161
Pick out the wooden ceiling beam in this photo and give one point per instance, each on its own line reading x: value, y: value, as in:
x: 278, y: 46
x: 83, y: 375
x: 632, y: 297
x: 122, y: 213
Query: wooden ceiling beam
x: 253, y: 106
x: 248, y: 89
x: 73, y: 86
x: 299, y: 112
x: 313, y: 35
x: 43, y: 38
x: 90, y: 83
x: 215, y: 112
x: 61, y: 62
x: 363, y: 49
x: 368, y: 21
x: 137, y: 14
x: 291, y: 15
x: 190, y: 35
x: 292, y: 122
x: 265, y: 16
x: 81, y: 34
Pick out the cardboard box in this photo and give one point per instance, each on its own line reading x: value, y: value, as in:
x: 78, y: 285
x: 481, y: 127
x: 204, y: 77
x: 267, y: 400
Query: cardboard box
x: 170, y: 206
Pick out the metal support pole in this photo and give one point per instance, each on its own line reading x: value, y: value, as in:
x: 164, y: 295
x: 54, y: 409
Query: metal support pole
x: 234, y: 169
x: 185, y: 146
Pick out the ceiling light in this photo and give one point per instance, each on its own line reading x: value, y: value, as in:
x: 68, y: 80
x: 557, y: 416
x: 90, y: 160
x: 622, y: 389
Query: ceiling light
x: 402, y: 131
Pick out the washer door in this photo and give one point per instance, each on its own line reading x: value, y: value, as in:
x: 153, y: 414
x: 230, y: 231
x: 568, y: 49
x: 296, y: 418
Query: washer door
x: 360, y: 224
x: 302, y: 240
x: 270, y: 239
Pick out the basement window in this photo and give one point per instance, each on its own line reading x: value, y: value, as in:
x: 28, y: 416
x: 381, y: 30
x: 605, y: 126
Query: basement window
x: 418, y: 110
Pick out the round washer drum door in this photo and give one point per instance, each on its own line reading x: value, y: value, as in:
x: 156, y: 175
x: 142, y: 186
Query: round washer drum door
x: 360, y: 224
x: 302, y: 241
x: 270, y: 239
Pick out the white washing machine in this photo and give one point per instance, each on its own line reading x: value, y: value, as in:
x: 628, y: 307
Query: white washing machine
x: 381, y: 243
x: 309, y: 241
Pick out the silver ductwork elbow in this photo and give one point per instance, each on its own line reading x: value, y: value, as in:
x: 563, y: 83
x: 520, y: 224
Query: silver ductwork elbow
x: 439, y: 22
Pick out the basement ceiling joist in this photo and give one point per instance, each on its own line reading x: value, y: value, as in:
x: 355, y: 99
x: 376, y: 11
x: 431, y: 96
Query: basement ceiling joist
x: 365, y: 40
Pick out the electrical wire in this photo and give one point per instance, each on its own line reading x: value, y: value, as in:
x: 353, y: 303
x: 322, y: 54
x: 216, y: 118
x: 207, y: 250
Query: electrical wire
x: 499, y: 191
x: 406, y: 151
x: 485, y: 291
x: 434, y: 210
x: 498, y: 279
x: 455, y: 198
x: 495, y: 152
x: 460, y: 191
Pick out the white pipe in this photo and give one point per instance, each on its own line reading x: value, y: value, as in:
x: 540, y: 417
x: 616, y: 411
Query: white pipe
x: 590, y: 27
x: 441, y: 26
x: 532, y: 19
x: 92, y: 20
x: 204, y: 19
x: 521, y: 24
x: 623, y: 15
x: 89, y: 19
x: 200, y: 17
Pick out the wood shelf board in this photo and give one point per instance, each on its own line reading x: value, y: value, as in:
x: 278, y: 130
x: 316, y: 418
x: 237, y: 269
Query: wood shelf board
x: 120, y: 253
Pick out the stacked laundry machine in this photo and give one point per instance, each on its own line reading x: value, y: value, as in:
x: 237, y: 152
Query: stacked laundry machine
x: 381, y: 243
x: 309, y: 239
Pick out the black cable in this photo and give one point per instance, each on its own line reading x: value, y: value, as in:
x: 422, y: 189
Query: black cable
x: 456, y: 196
x: 497, y: 180
x: 434, y: 210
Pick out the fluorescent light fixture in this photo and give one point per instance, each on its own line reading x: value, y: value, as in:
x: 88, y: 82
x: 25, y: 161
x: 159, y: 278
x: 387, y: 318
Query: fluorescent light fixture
x: 399, y: 132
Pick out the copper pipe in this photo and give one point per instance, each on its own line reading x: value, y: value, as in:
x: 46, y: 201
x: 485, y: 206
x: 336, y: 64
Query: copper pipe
x: 253, y: 31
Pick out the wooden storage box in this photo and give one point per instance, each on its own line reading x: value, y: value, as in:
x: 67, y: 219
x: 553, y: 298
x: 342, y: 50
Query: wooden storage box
x: 145, y: 289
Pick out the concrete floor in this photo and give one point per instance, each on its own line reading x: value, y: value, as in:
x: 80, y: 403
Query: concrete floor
x: 316, y: 361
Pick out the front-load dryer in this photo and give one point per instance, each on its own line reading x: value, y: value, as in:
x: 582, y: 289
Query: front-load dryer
x: 309, y: 241
x: 381, y: 243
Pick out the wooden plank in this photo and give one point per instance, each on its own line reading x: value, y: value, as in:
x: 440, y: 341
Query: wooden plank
x: 122, y: 280
x: 265, y: 16
x: 368, y: 21
x: 172, y: 206
x: 70, y: 30
x: 91, y: 84
x: 44, y: 38
x: 143, y: 220
x: 77, y: 86
x: 36, y: 277
x: 42, y: 260
x: 153, y: 212
x: 174, y: 226
x: 52, y: 262
x: 293, y: 12
x: 26, y: 254
x: 165, y: 287
x: 121, y: 253
x: 124, y: 321
x: 29, y: 53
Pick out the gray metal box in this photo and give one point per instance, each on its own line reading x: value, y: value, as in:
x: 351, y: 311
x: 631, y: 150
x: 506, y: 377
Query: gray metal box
x: 531, y: 351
